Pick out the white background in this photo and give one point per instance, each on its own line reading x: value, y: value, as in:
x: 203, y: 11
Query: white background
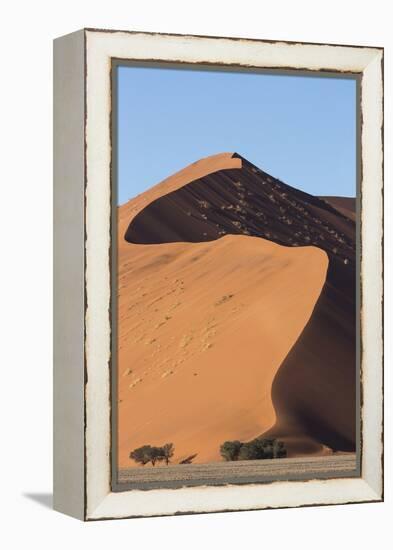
x: 28, y: 28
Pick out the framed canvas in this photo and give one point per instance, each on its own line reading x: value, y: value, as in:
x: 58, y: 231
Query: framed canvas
x: 218, y: 266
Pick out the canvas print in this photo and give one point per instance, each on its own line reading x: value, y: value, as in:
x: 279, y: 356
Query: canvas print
x: 235, y: 349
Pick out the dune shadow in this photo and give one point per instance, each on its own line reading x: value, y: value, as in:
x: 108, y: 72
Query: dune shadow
x: 314, y: 390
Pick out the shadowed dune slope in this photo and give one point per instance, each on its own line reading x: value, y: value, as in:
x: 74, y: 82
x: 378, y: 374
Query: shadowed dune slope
x: 226, y: 199
x: 240, y: 200
x: 345, y: 205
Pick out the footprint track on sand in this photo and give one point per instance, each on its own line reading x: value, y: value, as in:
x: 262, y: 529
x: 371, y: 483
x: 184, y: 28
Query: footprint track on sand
x: 135, y: 382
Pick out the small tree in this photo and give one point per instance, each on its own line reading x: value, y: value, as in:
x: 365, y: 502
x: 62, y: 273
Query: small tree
x: 156, y: 455
x: 168, y: 451
x: 147, y: 453
x: 229, y: 450
x: 142, y: 455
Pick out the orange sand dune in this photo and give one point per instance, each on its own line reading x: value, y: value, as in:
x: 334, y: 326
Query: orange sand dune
x: 201, y: 337
x: 236, y: 313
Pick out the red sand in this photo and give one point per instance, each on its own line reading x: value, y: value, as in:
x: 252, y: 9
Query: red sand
x: 215, y: 336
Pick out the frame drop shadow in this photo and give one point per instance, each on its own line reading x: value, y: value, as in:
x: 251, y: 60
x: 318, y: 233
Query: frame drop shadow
x: 44, y: 499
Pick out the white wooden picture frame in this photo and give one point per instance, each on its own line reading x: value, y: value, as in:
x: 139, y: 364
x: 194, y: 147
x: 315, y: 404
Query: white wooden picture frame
x: 82, y: 257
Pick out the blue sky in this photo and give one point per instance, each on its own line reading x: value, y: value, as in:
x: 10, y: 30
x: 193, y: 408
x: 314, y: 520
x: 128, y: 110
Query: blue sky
x: 299, y: 129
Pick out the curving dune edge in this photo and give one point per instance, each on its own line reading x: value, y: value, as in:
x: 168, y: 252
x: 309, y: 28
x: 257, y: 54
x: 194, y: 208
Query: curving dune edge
x: 201, y: 339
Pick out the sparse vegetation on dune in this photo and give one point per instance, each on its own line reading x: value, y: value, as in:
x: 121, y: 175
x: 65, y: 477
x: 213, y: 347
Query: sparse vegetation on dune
x: 257, y: 449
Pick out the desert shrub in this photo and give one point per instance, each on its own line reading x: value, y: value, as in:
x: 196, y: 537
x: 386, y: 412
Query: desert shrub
x: 230, y: 450
x: 250, y: 451
x: 257, y: 449
x: 279, y: 450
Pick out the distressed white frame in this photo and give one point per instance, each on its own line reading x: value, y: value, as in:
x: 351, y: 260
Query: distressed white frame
x: 100, y: 48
